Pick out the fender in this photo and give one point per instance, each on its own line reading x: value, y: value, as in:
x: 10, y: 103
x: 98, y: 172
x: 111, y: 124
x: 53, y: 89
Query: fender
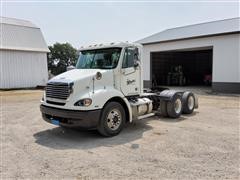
x: 167, y: 95
x: 129, y: 108
x: 100, y: 97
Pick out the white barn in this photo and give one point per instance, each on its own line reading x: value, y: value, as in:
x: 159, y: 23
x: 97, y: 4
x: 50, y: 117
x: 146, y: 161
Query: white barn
x: 23, y: 54
x: 208, y: 48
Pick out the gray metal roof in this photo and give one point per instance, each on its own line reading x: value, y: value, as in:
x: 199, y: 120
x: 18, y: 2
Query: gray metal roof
x: 197, y: 30
x: 16, y: 34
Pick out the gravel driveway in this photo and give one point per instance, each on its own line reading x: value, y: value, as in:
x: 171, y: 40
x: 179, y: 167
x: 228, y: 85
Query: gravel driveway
x: 204, y: 145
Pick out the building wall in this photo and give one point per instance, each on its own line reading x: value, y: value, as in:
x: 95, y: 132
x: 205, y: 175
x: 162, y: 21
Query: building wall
x: 226, y: 55
x: 22, y: 69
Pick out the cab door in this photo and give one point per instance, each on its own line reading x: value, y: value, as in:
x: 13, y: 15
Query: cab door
x: 130, y: 75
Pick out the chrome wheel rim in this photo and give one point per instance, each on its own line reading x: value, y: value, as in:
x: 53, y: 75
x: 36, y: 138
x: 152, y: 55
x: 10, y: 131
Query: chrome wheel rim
x: 190, y: 102
x: 114, y: 119
x: 178, y: 105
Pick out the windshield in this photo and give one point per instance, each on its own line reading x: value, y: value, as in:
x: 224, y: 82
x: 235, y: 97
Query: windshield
x: 99, y: 59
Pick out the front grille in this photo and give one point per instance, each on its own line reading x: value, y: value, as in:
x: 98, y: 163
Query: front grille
x: 56, y: 103
x: 58, y: 90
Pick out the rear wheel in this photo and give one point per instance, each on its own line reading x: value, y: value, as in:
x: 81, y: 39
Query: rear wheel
x: 174, y: 107
x: 112, y: 119
x: 188, y: 102
x: 163, y: 108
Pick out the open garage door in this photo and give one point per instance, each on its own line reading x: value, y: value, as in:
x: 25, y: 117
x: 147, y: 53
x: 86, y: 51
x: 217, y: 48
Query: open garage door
x: 185, y: 67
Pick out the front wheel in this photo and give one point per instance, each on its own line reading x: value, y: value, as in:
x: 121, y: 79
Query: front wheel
x: 112, y: 119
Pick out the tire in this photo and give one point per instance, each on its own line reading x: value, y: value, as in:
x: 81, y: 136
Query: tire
x: 188, y: 99
x: 112, y: 119
x: 163, y: 108
x: 174, y: 107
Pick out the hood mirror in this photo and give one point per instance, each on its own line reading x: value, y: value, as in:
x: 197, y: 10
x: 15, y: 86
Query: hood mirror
x: 98, y: 75
x: 70, y: 68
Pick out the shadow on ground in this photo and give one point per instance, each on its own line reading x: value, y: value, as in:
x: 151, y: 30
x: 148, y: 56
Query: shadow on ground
x: 66, y: 138
x: 183, y: 117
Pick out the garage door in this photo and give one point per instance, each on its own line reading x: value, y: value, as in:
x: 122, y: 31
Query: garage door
x: 187, y: 67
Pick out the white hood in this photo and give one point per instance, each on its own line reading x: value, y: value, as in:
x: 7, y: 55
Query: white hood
x: 83, y: 78
x: 77, y: 74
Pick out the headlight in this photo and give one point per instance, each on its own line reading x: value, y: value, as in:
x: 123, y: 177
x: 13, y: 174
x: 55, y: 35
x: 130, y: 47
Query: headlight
x: 83, y: 102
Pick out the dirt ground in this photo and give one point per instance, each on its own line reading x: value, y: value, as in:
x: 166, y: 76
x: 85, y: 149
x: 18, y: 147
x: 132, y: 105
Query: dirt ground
x: 204, y: 145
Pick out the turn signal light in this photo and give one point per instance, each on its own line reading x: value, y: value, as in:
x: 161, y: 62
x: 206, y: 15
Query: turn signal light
x: 84, y: 102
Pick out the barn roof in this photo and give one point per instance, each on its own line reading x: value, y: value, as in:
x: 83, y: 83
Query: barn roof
x: 221, y: 27
x: 21, y: 35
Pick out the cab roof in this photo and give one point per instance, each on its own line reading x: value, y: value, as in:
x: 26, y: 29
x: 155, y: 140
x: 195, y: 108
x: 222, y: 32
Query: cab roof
x: 109, y: 45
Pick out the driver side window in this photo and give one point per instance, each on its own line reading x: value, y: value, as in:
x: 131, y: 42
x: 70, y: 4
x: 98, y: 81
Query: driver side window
x: 128, y: 58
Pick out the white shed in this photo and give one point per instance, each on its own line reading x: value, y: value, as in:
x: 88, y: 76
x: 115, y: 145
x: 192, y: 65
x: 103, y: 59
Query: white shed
x: 23, y: 54
x: 203, y: 50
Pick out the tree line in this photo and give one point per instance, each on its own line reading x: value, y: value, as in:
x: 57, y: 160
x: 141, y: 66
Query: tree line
x: 61, y: 56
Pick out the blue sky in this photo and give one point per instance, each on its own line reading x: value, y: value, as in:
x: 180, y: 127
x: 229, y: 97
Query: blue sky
x: 82, y: 23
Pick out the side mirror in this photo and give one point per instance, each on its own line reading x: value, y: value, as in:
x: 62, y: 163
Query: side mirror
x: 136, y: 63
x: 70, y: 68
x: 136, y: 57
x: 136, y: 53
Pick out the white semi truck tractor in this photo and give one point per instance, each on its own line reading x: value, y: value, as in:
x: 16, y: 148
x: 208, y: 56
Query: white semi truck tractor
x: 105, y: 91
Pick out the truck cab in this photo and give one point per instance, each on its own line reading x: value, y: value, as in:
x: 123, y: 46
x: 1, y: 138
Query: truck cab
x: 105, y: 91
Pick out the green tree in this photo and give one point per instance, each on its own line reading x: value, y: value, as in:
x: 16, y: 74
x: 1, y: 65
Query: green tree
x: 60, y: 57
